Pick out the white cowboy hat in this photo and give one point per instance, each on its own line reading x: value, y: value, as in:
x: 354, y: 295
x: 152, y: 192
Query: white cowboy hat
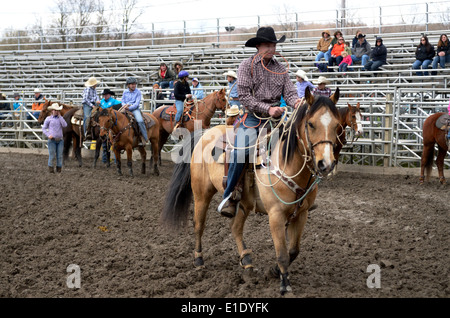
x: 91, y: 82
x: 230, y: 73
x: 233, y: 111
x: 37, y: 90
x: 322, y: 79
x: 55, y: 106
x: 302, y: 74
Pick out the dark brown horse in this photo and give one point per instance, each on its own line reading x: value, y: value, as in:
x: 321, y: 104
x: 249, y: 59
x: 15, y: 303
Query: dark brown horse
x: 433, y: 135
x: 349, y: 117
x: 122, y: 135
x: 204, y: 111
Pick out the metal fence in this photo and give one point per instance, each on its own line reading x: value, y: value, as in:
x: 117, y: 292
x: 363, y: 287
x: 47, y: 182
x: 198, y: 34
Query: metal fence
x: 392, y: 122
x: 411, y: 17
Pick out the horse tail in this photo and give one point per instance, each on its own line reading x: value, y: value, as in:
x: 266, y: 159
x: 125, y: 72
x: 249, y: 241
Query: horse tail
x: 428, y: 163
x: 179, y: 196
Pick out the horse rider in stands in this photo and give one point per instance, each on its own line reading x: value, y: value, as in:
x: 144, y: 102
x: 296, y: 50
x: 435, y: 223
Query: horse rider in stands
x: 38, y: 104
x: 131, y: 101
x: 90, y: 100
x: 232, y: 86
x: 181, y: 91
x: 260, y: 89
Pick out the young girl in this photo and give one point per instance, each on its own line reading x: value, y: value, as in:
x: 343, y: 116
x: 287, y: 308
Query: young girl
x: 53, y: 129
x: 302, y: 83
x: 346, y: 62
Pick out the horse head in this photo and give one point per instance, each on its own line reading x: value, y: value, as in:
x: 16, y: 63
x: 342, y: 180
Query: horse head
x: 316, y: 126
x: 105, y: 121
x: 220, y: 100
x: 353, y: 119
x: 44, y: 112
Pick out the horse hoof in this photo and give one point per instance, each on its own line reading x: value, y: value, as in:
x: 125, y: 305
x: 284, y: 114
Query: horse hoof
x: 198, y: 260
x: 274, y: 272
x: 284, y: 290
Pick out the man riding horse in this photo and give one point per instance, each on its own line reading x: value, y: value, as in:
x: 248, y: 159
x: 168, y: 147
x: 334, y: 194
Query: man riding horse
x: 261, y: 82
x: 131, y: 100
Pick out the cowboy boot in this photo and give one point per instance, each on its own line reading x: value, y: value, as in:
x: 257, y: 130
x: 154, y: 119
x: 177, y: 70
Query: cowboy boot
x: 228, y: 207
x: 58, y: 169
x: 50, y: 169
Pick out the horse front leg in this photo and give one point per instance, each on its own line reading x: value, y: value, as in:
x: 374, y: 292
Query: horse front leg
x: 118, y: 160
x: 129, y: 150
x: 277, y: 222
x: 143, y: 158
x: 155, y: 160
x: 98, y: 145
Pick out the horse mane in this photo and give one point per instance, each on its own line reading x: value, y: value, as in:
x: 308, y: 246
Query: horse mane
x: 291, y: 145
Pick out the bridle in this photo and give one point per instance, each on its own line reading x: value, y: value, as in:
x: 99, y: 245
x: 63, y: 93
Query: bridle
x: 352, y: 129
x: 314, y: 169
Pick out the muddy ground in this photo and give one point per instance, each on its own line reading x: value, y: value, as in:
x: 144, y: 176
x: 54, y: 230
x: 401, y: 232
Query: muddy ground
x: 109, y: 226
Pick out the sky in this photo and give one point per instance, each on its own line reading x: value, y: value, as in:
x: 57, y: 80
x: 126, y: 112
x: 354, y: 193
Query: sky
x: 22, y: 13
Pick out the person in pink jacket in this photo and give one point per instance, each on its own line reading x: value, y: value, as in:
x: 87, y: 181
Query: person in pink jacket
x: 346, y: 62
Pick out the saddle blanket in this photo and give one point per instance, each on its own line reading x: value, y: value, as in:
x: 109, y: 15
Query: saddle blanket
x: 169, y: 113
x: 443, y: 122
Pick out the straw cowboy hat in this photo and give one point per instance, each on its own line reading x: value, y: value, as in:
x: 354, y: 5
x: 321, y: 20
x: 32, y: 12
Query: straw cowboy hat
x: 37, y: 90
x: 55, y: 106
x: 233, y: 111
x: 91, y: 82
x: 264, y: 35
x: 230, y: 73
x: 322, y: 80
x: 302, y: 74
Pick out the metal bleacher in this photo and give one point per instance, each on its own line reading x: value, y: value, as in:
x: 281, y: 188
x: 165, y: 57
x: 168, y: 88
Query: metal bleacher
x: 394, y: 100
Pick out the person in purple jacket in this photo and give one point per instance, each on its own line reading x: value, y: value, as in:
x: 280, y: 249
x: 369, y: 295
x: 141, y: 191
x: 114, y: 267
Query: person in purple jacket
x: 53, y: 129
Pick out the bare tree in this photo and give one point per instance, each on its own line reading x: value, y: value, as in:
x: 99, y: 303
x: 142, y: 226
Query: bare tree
x: 130, y: 13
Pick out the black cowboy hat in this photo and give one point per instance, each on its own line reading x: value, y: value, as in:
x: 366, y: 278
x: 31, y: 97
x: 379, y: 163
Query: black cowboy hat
x: 264, y: 35
x: 108, y: 91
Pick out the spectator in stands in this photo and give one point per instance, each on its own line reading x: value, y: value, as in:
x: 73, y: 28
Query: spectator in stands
x: 322, y: 46
x: 182, y: 91
x: 4, y: 106
x: 443, y: 53
x: 361, y: 50
x: 159, y: 95
x: 337, y: 35
x: 448, y: 134
x: 355, y: 39
x: 336, y: 52
x: 233, y: 115
x: 172, y: 95
x: 17, y: 106
x: 346, y: 62
x: 322, y: 89
x: 197, y: 89
x: 302, y: 83
x: 131, y: 101
x: 232, y: 86
x: 424, y: 55
x: 165, y: 76
x: 90, y: 99
x: 37, y: 106
x: 378, y: 56
x: 177, y: 68
x: 53, y: 129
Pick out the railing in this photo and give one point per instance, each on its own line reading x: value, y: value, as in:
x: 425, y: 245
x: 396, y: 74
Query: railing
x: 419, y: 18
x: 392, y: 127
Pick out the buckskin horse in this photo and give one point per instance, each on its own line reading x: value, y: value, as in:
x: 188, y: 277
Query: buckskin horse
x: 122, y: 135
x: 300, y: 159
x: 349, y: 117
x: 432, y: 134
x: 204, y: 111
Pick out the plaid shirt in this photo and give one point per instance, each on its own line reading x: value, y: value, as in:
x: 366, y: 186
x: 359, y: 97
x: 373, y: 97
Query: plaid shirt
x: 90, y: 96
x: 325, y: 92
x: 260, y: 90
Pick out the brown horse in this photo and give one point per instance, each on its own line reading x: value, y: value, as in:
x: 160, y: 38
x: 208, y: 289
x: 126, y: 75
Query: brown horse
x: 349, y: 117
x: 122, y: 136
x: 299, y: 159
x: 204, y: 111
x: 433, y: 135
x: 45, y: 112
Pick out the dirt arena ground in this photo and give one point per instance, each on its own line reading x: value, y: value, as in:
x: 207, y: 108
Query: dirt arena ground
x: 108, y: 226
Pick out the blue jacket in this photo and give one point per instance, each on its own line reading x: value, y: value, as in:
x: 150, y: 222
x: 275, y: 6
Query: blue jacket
x: 234, y: 91
x: 109, y: 103
x: 199, y: 92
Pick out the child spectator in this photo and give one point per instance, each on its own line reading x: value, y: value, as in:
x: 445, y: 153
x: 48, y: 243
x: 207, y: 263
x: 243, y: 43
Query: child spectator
x: 321, y: 89
x: 302, y: 83
x: 346, y: 62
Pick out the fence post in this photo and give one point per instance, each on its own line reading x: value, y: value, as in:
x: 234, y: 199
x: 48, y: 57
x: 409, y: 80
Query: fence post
x: 184, y: 32
x: 218, y: 31
x: 389, y: 131
x: 426, y: 17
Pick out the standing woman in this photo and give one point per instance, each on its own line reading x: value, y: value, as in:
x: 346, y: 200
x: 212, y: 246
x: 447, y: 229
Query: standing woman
x: 424, y: 55
x: 53, y: 129
x: 443, y: 53
x: 181, y: 91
